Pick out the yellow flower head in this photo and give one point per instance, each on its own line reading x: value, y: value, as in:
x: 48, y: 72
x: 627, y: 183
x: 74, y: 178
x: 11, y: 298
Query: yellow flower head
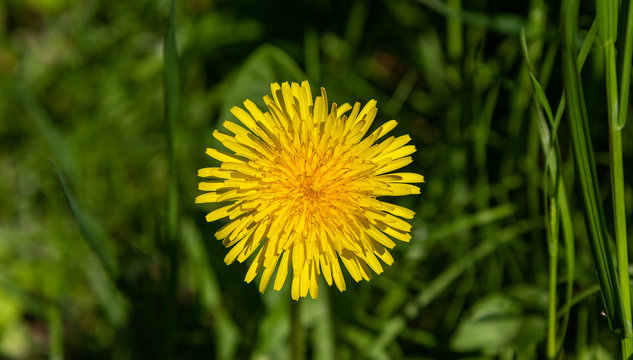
x: 303, y: 186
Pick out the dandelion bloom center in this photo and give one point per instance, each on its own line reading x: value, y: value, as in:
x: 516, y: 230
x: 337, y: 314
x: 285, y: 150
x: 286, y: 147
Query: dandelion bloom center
x: 304, y: 183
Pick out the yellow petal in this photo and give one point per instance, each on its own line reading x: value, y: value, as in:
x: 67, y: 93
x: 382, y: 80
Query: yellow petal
x: 305, y: 279
x: 314, y: 287
x: 400, y: 211
x: 352, y: 267
x: 234, y: 252
x: 326, y: 269
x: 337, y: 273
x: 255, y: 266
x: 294, y: 290
x: 282, y: 272
x: 395, y: 165
x: 211, y: 185
x: 219, y: 213
x: 207, y: 198
x: 268, y: 272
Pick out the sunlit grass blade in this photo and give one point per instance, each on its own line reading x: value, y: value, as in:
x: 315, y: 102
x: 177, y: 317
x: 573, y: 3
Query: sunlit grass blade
x: 585, y: 163
x: 608, y: 24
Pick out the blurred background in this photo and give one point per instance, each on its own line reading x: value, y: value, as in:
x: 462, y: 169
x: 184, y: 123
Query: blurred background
x: 87, y: 271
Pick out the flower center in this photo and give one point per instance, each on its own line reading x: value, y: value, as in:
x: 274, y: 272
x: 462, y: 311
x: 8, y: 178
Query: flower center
x: 309, y: 187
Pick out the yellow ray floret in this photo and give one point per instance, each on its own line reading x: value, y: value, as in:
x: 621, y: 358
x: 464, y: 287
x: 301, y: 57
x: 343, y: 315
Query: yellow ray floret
x: 301, y: 184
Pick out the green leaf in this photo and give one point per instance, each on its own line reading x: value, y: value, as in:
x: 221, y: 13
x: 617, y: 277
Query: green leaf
x: 542, y: 99
x: 499, y: 322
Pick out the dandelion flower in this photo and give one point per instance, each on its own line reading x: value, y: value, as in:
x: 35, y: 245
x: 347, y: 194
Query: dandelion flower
x: 303, y: 186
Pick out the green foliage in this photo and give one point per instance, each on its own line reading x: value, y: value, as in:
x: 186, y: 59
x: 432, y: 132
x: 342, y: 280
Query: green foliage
x: 106, y: 109
x: 507, y: 322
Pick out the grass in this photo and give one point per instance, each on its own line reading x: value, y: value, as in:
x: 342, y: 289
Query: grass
x: 518, y: 111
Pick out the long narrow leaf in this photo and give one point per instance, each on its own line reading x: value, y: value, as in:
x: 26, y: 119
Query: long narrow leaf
x: 583, y: 157
x: 93, y: 234
x: 625, y: 72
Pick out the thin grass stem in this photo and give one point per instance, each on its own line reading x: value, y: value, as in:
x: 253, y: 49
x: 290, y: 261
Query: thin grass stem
x: 607, y: 18
x: 617, y: 188
x: 553, y: 221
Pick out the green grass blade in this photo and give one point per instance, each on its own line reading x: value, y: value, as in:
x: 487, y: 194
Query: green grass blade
x: 607, y: 21
x: 578, y: 298
x: 441, y: 282
x: 607, y: 14
x: 563, y: 219
x: 170, y: 56
x: 555, y: 172
x: 625, y: 71
x: 539, y: 95
x: 570, y: 253
x: 51, y: 135
x: 582, y: 57
x: 585, y: 163
x: 91, y: 232
x: 552, y: 218
x: 587, y: 44
x: 171, y: 99
x: 465, y: 223
x: 552, y: 235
